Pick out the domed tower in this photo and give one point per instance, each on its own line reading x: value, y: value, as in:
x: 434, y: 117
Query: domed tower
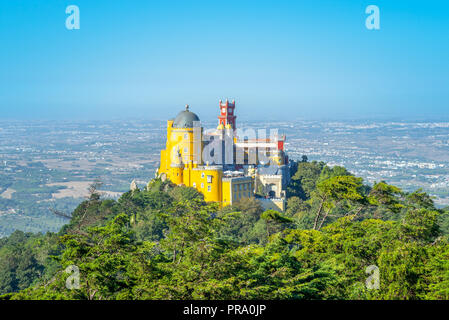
x: 185, y: 119
x: 181, y: 137
x: 227, y: 116
x: 179, y: 151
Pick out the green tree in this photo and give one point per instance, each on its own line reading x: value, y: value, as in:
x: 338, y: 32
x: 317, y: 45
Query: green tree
x: 333, y: 192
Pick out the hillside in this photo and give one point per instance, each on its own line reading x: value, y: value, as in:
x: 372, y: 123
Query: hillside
x: 165, y: 242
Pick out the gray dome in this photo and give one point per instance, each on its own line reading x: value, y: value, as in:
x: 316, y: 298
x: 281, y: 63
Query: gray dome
x: 185, y: 119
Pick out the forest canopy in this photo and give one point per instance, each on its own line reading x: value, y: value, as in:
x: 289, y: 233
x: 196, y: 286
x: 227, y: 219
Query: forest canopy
x: 165, y: 242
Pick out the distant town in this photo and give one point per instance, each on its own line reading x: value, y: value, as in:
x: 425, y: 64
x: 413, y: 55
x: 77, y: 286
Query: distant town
x: 47, y: 165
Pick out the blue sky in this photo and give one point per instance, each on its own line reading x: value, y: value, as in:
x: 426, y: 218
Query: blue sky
x: 278, y: 59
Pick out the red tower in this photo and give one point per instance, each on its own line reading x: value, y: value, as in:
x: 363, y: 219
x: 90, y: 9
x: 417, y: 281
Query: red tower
x: 227, y: 113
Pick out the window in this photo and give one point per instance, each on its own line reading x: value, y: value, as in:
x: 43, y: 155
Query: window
x: 209, y: 188
x: 202, y: 185
x: 209, y: 179
x: 185, y: 135
x: 240, y: 187
x: 249, y: 194
x: 202, y: 175
x: 186, y: 150
x: 194, y: 184
x: 244, y: 186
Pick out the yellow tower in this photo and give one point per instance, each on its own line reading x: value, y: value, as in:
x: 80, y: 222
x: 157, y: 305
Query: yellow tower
x: 182, y: 164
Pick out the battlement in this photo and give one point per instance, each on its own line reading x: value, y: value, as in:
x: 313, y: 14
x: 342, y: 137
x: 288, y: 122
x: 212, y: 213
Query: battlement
x: 227, y: 103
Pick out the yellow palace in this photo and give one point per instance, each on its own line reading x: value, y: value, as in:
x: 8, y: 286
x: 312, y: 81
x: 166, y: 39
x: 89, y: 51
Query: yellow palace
x: 182, y: 162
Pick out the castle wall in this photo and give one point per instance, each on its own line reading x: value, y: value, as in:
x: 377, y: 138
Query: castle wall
x: 273, y: 204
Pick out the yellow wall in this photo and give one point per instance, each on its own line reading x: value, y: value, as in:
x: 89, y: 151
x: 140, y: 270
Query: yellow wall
x: 176, y: 175
x: 226, y: 193
x: 211, y: 187
x: 178, y: 152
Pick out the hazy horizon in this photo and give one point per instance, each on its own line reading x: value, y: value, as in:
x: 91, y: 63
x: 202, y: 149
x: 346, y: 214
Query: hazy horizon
x: 241, y: 116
